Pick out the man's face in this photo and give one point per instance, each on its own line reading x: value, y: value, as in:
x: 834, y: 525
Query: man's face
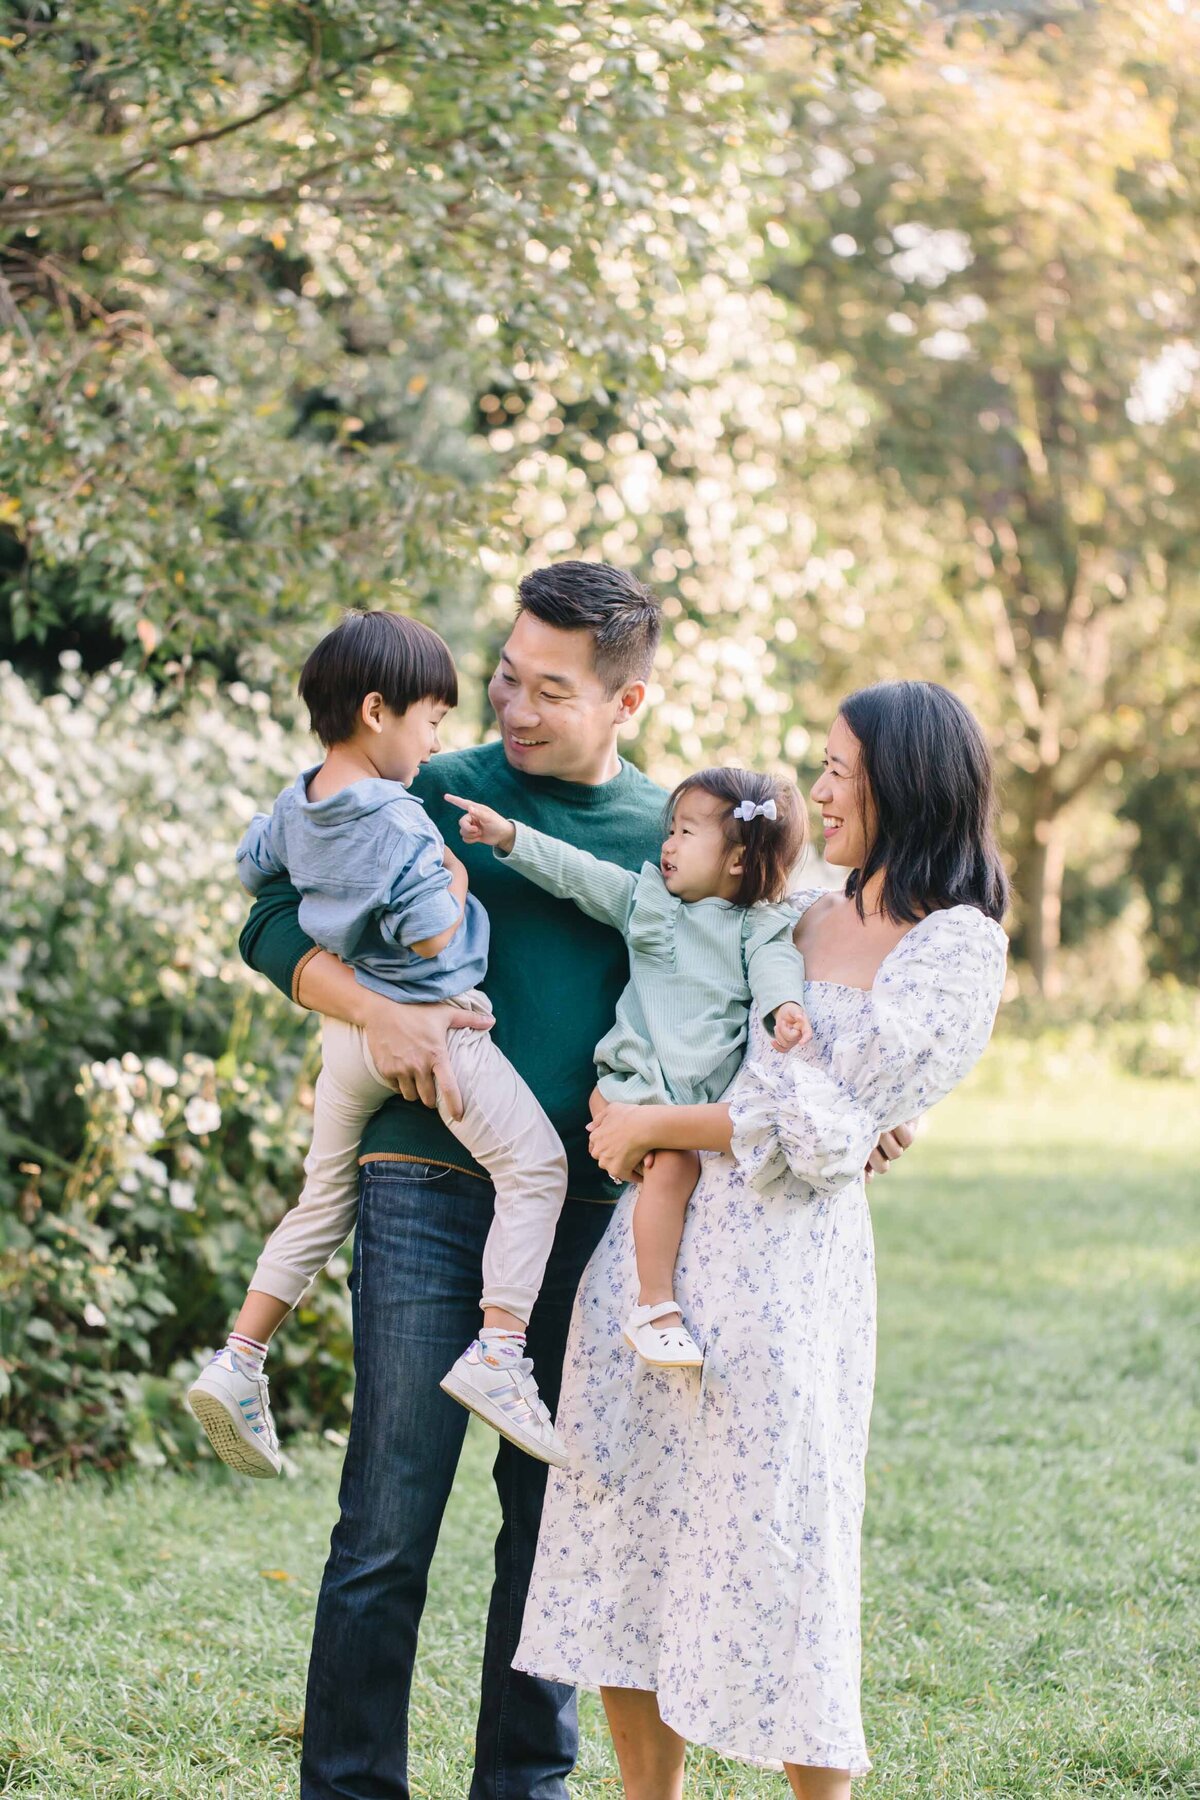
x: 555, y: 717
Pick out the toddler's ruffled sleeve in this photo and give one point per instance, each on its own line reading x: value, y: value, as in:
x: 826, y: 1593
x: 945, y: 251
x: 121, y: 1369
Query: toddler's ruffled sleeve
x: 914, y: 1037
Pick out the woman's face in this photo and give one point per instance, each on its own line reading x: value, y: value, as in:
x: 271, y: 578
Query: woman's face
x: 836, y: 792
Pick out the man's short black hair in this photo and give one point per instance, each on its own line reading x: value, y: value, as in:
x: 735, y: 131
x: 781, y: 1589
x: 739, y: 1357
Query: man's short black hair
x: 623, y: 617
x: 374, y: 653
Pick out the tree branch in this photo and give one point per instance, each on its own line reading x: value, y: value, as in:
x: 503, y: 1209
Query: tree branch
x: 1091, y: 766
x: 88, y: 196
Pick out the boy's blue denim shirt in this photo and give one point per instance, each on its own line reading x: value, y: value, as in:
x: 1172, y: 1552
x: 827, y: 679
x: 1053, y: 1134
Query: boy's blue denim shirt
x: 368, y: 864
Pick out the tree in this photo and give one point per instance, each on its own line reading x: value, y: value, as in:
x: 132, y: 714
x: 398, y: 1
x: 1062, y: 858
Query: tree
x: 998, y: 242
x: 1164, y: 807
x: 276, y: 281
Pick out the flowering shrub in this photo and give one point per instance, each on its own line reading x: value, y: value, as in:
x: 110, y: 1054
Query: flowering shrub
x: 152, y: 1090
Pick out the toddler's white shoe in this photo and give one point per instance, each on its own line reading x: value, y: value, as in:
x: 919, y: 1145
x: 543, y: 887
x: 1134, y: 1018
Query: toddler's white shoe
x: 504, y: 1394
x: 662, y: 1346
x: 231, y: 1403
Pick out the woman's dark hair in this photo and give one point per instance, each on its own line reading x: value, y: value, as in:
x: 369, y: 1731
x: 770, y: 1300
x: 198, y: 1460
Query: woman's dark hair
x: 925, y: 773
x: 771, y: 848
x: 374, y: 653
x: 623, y: 617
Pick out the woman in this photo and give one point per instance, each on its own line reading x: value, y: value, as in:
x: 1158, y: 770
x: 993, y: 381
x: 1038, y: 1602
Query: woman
x: 699, y: 1561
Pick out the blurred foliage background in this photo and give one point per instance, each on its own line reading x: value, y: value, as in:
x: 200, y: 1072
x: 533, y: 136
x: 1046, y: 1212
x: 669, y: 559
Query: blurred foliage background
x: 866, y: 332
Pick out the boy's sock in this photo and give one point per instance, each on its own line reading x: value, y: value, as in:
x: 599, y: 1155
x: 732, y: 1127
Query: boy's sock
x: 502, y: 1346
x: 249, y: 1349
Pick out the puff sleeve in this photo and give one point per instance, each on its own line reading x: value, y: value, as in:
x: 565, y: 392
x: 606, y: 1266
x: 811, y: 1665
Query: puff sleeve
x: 919, y: 1031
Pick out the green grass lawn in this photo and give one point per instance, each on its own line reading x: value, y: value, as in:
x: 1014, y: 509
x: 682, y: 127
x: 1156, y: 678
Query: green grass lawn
x: 1031, y: 1614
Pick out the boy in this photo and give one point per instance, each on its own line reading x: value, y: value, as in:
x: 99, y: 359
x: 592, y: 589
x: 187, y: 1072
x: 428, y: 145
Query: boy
x: 380, y: 889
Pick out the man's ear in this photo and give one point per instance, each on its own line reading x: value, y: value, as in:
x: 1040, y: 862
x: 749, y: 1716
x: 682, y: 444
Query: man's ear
x: 629, y: 700
x: 371, y: 712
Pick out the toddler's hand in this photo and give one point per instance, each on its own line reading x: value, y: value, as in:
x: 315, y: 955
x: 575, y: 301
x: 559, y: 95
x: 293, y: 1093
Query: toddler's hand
x: 480, y: 825
x: 791, y: 1026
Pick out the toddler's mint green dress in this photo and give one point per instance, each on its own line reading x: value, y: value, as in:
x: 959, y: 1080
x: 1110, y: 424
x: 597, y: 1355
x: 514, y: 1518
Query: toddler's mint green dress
x: 695, y: 969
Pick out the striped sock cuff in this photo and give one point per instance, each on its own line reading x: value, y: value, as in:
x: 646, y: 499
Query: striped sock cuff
x: 248, y: 1348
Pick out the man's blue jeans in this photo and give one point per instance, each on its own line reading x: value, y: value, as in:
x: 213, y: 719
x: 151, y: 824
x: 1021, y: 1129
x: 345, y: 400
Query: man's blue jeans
x: 415, y: 1282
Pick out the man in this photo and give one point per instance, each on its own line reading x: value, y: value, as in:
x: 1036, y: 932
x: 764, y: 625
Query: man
x: 572, y: 672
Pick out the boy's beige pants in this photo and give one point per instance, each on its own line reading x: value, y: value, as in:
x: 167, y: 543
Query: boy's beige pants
x: 503, y: 1127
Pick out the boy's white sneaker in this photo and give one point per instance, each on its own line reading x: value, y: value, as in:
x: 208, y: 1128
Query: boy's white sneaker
x: 670, y: 1346
x: 504, y: 1394
x: 231, y: 1403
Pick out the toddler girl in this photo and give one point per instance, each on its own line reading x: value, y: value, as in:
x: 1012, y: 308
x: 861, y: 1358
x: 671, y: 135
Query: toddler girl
x: 707, y: 936
x: 380, y: 890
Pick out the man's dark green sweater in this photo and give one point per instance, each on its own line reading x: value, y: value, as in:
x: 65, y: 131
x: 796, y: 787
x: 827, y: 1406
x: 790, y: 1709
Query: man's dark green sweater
x: 554, y: 975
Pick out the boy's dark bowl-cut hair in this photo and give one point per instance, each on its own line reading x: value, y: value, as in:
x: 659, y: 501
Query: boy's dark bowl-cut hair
x: 925, y: 771
x: 622, y: 615
x: 374, y: 653
x: 771, y: 848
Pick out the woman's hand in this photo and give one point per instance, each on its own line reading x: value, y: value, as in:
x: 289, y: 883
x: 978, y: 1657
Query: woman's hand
x: 618, y: 1140
x: 480, y: 825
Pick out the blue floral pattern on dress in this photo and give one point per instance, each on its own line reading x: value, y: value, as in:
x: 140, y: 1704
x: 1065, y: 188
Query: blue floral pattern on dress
x: 704, y: 1543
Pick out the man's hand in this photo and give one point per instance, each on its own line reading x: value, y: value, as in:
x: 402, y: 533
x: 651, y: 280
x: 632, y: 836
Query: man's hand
x: 480, y: 825
x: 408, y: 1044
x: 792, y: 1026
x: 891, y: 1145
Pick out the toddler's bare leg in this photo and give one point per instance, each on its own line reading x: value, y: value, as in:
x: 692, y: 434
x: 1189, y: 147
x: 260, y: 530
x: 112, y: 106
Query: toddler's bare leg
x: 658, y: 1214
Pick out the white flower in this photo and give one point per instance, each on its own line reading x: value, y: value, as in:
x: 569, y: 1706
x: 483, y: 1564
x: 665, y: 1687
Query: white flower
x: 201, y: 1116
x: 161, y: 1073
x: 145, y: 1125
x: 93, y: 1316
x: 152, y: 1170
x: 182, y: 1196
x: 131, y: 1064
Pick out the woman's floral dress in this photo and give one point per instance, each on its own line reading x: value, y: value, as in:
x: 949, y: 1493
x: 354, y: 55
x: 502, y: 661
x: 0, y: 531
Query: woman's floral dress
x: 705, y: 1541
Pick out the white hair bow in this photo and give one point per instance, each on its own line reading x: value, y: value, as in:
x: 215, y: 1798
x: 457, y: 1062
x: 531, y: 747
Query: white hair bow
x: 747, y: 810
